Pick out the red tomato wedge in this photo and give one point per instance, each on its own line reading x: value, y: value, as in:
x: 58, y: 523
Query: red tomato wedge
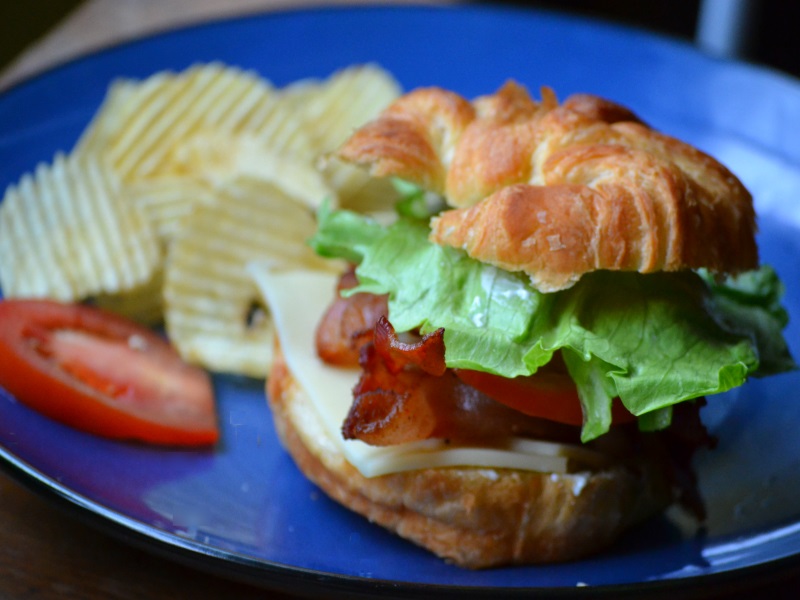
x: 547, y: 395
x: 103, y: 374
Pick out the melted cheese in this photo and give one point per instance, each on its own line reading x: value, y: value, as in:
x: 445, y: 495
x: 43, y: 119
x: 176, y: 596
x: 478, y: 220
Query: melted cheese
x: 297, y: 299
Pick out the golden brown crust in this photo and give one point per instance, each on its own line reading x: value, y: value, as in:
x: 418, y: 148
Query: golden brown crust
x: 473, y: 517
x: 411, y: 136
x: 618, y: 195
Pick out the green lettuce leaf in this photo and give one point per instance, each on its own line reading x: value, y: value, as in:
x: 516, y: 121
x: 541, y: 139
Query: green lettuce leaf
x: 750, y: 305
x: 652, y: 340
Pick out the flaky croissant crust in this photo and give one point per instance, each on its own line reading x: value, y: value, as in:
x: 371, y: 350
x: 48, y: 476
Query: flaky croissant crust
x: 559, y: 190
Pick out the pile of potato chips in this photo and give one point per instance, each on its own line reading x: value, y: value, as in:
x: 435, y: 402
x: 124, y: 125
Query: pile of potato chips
x: 179, y: 181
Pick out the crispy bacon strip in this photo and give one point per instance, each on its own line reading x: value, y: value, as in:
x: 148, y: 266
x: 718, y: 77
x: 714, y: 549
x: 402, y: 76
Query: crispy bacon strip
x: 348, y: 324
x: 406, y: 394
x: 393, y: 407
x: 426, y: 354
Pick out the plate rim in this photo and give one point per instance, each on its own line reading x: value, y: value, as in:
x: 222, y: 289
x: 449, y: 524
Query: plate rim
x: 270, y: 575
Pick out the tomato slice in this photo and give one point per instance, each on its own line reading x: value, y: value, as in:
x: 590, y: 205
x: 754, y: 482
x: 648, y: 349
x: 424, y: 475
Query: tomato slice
x: 546, y: 394
x: 103, y: 374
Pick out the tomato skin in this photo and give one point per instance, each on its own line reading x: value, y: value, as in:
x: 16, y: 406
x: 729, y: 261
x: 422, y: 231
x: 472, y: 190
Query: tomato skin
x: 546, y: 394
x: 52, y: 357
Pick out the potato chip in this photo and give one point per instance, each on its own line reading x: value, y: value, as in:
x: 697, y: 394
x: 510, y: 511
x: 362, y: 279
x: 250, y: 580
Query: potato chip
x: 275, y: 122
x: 213, y: 310
x: 66, y: 233
x: 344, y: 101
x: 167, y: 201
x: 138, y: 127
x: 331, y: 110
x: 216, y: 158
x: 115, y: 109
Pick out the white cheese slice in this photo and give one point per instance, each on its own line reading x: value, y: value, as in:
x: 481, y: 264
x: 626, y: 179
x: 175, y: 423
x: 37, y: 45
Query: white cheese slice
x: 297, y: 299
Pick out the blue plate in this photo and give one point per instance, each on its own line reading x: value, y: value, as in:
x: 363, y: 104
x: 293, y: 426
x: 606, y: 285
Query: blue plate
x: 243, y: 509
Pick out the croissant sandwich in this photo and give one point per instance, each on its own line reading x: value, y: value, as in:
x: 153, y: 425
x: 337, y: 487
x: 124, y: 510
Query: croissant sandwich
x: 511, y: 371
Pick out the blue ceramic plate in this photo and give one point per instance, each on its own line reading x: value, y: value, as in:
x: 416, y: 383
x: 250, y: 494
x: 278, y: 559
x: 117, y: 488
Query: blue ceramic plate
x: 243, y: 509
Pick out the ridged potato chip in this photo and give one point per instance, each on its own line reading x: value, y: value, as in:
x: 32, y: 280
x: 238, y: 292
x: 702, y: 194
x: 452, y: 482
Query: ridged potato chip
x: 66, y: 233
x: 216, y: 158
x: 167, y: 201
x: 139, y: 126
x: 213, y: 310
x: 332, y: 109
x: 111, y: 116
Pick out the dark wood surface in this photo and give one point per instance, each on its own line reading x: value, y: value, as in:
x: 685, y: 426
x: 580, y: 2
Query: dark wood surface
x: 47, y: 553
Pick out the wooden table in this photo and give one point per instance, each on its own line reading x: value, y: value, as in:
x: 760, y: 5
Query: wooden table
x: 45, y: 552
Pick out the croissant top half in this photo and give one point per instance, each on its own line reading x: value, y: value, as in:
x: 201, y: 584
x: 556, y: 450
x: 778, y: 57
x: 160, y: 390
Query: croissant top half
x: 559, y: 190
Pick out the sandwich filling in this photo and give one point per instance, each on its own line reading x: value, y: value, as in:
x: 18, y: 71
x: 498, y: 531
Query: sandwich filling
x: 646, y: 341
